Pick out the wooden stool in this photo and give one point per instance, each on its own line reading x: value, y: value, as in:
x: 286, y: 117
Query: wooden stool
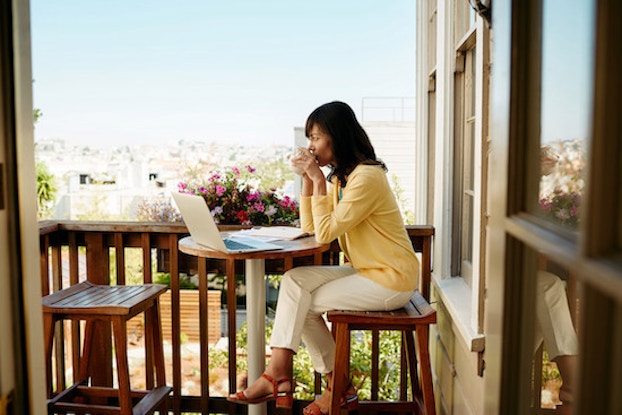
x: 116, y: 305
x: 415, y: 318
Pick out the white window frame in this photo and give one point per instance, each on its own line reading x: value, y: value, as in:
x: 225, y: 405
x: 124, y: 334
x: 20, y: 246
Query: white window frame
x: 464, y: 303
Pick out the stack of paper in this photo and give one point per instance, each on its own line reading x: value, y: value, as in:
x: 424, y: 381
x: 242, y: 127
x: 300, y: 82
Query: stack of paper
x: 277, y: 232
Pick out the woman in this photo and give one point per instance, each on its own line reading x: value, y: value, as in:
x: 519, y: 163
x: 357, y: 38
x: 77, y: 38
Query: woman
x: 359, y: 209
x: 554, y: 327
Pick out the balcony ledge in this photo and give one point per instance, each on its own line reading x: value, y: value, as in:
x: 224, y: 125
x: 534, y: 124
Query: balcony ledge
x: 455, y: 295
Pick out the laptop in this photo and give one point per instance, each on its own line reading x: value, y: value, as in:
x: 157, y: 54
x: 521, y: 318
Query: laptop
x: 204, y: 231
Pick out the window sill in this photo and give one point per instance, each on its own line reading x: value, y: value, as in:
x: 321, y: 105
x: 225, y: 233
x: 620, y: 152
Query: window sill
x: 456, y: 297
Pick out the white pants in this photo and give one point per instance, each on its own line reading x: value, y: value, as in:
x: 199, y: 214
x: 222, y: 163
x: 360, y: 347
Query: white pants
x: 554, y: 324
x: 306, y: 293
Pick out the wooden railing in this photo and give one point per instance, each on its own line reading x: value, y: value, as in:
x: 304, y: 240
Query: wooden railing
x: 72, y: 251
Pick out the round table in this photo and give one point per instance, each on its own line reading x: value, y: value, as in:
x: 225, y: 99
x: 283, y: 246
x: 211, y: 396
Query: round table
x: 255, y: 289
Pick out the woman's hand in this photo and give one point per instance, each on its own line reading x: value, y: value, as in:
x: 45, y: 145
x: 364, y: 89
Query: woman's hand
x: 312, y: 176
x: 306, y: 162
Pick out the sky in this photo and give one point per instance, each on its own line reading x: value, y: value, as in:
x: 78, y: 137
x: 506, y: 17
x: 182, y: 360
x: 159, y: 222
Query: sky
x: 114, y: 72
x: 567, y: 69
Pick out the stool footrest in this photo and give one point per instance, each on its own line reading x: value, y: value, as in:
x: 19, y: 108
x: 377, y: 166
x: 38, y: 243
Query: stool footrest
x: 77, y: 399
x: 152, y: 399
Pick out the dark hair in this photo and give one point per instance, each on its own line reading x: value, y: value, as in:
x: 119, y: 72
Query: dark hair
x: 349, y: 141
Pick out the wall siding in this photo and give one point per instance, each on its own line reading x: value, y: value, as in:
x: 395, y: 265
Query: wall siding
x: 458, y: 388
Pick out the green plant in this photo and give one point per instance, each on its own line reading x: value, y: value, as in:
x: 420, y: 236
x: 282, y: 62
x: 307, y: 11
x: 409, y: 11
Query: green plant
x: 219, y: 282
x: 46, y: 190
x: 134, y: 274
x: 360, y: 364
x: 549, y: 370
x: 407, y: 214
x: 389, y: 369
x: 185, y: 282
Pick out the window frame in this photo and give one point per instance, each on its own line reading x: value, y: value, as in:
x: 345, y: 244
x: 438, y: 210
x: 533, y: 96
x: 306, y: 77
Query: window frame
x: 463, y: 301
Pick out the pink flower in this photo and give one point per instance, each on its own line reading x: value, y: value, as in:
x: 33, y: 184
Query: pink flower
x: 258, y: 207
x: 250, y: 168
x: 220, y: 190
x: 253, y: 196
x: 236, y: 171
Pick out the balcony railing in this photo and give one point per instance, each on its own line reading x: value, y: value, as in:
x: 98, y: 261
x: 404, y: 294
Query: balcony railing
x: 71, y: 252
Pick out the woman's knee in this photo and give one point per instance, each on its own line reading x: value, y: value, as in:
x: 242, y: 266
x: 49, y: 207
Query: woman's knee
x: 547, y: 281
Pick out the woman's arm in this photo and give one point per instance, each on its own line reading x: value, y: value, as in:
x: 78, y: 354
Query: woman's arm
x: 367, y: 191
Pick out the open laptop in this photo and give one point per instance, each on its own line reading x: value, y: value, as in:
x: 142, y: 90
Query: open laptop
x: 204, y: 231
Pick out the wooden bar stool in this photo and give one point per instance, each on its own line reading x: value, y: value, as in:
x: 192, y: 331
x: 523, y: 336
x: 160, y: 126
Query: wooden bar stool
x: 116, y: 305
x: 413, y: 319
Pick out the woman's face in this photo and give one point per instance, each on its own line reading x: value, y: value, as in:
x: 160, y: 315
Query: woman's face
x: 319, y: 145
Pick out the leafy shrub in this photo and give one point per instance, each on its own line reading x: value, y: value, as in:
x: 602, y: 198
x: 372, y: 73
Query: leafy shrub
x: 360, y: 364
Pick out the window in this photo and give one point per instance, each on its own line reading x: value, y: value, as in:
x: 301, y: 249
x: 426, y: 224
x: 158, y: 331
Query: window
x: 464, y: 169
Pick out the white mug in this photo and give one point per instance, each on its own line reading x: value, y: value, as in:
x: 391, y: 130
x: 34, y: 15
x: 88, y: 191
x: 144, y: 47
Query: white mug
x: 298, y: 152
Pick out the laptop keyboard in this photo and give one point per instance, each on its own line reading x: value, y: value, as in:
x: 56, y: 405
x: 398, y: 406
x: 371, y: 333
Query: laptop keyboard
x: 235, y: 245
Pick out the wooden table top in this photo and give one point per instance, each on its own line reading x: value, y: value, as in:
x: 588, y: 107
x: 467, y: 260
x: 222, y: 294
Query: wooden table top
x: 290, y: 249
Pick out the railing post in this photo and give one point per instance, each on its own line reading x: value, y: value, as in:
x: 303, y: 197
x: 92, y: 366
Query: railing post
x: 175, y: 321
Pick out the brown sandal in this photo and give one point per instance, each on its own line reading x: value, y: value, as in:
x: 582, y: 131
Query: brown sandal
x: 349, y: 402
x: 283, y: 399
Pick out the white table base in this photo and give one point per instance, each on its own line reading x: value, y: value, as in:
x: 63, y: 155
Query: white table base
x: 256, y: 321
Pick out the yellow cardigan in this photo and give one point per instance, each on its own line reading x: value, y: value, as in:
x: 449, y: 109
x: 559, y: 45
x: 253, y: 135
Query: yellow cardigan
x: 368, y: 225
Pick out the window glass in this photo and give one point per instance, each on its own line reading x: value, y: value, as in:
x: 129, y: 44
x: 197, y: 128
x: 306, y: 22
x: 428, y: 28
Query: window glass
x: 464, y: 19
x: 464, y: 166
x: 431, y: 150
x: 565, y: 109
x: 432, y: 14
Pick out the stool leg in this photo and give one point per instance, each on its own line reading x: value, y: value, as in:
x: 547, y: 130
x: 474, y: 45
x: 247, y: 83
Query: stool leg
x: 149, y: 333
x: 83, y: 370
x: 158, y: 350
x: 408, y: 338
x: 423, y: 336
x: 158, y: 347
x: 123, y: 371
x: 341, y: 370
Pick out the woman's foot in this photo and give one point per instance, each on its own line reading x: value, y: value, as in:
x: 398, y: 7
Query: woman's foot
x: 321, y: 405
x: 265, y: 389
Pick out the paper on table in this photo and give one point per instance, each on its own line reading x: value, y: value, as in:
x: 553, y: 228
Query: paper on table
x: 277, y: 232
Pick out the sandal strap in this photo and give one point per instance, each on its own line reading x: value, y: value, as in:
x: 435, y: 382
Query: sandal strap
x: 275, y: 384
